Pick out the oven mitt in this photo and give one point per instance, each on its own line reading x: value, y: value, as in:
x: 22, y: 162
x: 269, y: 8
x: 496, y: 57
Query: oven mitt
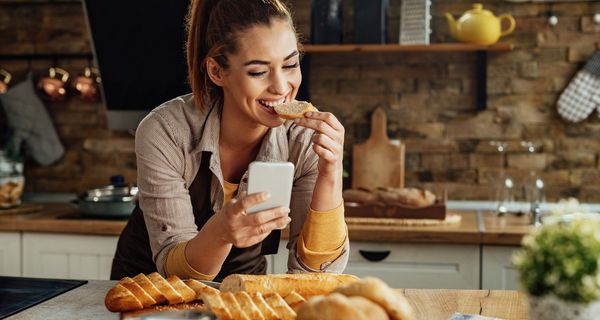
x: 582, y: 95
x: 28, y: 117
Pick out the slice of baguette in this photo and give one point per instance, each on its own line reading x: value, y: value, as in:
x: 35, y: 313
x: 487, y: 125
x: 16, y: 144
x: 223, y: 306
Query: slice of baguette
x: 214, y: 302
x: 173, y: 297
x: 305, y: 284
x: 276, y: 302
x: 149, y: 287
x: 186, y: 292
x: 139, y: 293
x: 243, y: 298
x: 263, y: 306
x: 120, y: 298
x: 233, y: 306
x: 294, y: 109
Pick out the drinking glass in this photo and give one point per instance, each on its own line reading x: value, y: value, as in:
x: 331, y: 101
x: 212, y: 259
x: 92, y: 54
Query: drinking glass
x: 504, y: 186
x: 533, y: 185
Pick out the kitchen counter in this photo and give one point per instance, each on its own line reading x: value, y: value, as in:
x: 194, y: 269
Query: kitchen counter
x: 474, y: 228
x: 87, y: 302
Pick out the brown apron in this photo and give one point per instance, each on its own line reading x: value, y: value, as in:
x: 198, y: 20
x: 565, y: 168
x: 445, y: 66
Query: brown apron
x: 133, y: 255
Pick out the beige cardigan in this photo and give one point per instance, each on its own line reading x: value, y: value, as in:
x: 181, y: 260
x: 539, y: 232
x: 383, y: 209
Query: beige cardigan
x: 169, y: 145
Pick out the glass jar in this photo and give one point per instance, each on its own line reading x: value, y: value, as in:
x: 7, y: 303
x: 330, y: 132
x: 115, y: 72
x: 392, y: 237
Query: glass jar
x: 12, y: 181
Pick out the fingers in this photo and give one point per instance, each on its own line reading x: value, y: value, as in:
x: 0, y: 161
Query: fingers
x: 321, y: 127
x: 250, y: 235
x: 245, y: 202
x: 263, y: 217
x: 327, y: 117
x: 327, y: 143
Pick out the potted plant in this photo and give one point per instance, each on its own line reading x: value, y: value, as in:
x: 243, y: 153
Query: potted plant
x: 559, y: 267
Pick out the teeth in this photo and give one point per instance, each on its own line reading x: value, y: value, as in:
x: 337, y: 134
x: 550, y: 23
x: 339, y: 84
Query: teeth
x: 272, y: 104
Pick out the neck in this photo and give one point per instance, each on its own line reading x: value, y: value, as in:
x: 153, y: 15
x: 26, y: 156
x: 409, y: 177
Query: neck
x: 238, y: 134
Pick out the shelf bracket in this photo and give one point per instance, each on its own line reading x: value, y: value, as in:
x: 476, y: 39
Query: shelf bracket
x: 481, y: 80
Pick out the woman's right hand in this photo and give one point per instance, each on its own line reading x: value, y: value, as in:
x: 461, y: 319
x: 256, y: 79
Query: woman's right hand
x: 244, y: 230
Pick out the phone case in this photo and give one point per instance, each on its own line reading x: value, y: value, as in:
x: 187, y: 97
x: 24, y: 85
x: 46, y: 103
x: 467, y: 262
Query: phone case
x: 275, y: 178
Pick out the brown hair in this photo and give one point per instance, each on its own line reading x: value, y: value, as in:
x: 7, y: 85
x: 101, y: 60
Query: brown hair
x: 213, y: 27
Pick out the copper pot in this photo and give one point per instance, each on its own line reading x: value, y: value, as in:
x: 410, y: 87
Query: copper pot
x: 87, y: 85
x: 52, y: 85
x: 6, y: 77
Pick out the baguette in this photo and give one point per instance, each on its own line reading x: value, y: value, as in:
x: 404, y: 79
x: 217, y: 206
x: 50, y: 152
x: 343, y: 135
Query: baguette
x: 294, y: 109
x: 305, y: 284
x: 263, y: 306
x: 143, y: 291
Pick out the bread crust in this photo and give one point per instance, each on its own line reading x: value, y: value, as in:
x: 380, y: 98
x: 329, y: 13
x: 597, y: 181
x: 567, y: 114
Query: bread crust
x: 337, y: 306
x: 294, y: 109
x: 377, y: 291
x: 305, y: 284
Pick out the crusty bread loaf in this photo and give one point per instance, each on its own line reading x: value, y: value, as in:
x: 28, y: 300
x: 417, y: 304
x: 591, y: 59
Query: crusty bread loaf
x: 305, y: 284
x: 337, y: 306
x: 144, y: 291
x: 406, y: 196
x: 294, y: 109
x: 359, y: 195
x: 377, y: 291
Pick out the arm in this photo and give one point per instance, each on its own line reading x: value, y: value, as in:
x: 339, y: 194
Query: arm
x: 322, y: 244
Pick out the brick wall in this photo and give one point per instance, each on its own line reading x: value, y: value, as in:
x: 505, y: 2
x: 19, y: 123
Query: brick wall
x: 429, y: 99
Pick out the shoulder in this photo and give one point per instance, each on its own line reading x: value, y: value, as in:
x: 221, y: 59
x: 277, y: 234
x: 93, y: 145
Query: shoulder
x: 175, y: 119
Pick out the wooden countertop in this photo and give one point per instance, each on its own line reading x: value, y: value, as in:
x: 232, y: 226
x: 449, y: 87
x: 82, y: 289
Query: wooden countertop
x: 87, y: 302
x: 474, y: 228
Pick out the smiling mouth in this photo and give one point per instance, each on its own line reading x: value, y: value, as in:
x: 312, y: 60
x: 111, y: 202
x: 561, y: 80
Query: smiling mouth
x: 270, y: 104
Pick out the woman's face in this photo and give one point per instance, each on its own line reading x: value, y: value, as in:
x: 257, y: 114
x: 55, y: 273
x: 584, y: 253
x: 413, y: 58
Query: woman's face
x: 263, y: 73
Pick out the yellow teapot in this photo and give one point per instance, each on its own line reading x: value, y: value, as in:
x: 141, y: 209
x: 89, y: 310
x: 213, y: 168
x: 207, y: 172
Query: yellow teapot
x: 479, y: 26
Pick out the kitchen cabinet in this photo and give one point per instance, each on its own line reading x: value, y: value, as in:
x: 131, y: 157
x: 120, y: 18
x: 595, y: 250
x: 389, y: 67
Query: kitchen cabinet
x: 407, y: 265
x: 10, y: 254
x: 68, y: 256
x: 497, y: 270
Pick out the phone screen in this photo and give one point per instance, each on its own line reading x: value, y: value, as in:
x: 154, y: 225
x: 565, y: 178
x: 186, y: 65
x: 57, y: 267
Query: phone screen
x: 275, y: 178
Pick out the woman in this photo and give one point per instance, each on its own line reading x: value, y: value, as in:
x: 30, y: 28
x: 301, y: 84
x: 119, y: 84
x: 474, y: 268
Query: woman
x: 193, y: 153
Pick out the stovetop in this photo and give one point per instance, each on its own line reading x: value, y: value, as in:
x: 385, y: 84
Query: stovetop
x: 18, y: 294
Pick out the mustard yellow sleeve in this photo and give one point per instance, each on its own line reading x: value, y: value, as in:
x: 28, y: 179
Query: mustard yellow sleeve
x: 323, y: 236
x: 176, y: 264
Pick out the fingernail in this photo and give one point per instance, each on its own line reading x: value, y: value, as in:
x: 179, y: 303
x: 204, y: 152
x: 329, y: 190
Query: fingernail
x: 266, y: 195
x: 286, y: 210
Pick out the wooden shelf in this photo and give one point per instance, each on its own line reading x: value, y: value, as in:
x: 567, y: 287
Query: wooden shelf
x: 436, y: 47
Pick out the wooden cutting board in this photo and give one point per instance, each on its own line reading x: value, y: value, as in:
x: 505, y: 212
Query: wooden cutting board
x: 378, y: 162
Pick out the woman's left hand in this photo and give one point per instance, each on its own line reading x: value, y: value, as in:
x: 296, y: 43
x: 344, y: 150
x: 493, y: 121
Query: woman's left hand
x: 328, y: 141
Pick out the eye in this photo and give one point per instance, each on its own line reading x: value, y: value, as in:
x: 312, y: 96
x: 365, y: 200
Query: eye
x: 291, y: 66
x: 256, y: 74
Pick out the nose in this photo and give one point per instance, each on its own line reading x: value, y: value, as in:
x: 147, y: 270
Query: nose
x: 279, y: 83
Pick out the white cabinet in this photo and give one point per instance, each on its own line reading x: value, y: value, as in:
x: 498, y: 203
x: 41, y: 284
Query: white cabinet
x: 407, y: 265
x: 417, y: 265
x: 10, y: 254
x: 279, y: 260
x: 68, y: 256
x: 497, y: 271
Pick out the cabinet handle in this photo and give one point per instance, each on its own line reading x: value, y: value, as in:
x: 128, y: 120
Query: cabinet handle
x: 374, y: 256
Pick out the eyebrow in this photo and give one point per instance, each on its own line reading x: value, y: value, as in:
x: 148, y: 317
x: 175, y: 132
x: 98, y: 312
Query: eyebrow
x: 263, y: 62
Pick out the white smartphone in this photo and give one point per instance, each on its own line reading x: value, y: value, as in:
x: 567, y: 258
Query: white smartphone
x: 275, y: 178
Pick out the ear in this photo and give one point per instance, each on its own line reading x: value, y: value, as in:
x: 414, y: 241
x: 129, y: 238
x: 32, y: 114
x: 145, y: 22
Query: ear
x: 215, y: 72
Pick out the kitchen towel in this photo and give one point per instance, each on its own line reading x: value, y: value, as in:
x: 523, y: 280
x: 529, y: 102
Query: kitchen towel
x: 582, y: 95
x: 31, y: 123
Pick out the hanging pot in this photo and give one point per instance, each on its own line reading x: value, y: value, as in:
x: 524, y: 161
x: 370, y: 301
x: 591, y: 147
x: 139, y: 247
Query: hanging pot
x: 4, y: 80
x: 86, y: 85
x: 52, y: 85
x: 108, y: 201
